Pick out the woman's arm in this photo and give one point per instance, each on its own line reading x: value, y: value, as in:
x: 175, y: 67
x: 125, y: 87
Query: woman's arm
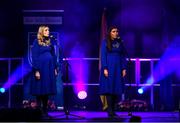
x: 124, y: 63
x: 35, y: 56
x: 35, y: 60
x: 103, y: 57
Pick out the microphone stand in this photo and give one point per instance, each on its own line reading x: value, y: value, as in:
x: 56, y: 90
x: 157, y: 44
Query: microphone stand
x: 129, y: 77
x: 66, y: 80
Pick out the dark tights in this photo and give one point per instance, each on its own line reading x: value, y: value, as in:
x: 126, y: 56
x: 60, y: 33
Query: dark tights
x: 111, y: 100
x: 42, y: 102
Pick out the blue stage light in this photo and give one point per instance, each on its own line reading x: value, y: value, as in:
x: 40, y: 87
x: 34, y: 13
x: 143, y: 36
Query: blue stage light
x: 2, y: 90
x: 140, y: 91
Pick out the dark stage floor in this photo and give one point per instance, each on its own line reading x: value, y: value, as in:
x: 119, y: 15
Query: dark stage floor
x: 33, y: 115
x: 90, y: 116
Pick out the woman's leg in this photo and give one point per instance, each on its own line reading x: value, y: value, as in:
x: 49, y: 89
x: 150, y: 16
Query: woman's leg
x: 104, y: 102
x: 45, y: 103
x: 39, y: 101
x: 109, y: 102
x: 114, y: 98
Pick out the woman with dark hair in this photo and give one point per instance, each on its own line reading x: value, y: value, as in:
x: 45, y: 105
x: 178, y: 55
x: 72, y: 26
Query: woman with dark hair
x: 113, y: 68
x: 44, y: 63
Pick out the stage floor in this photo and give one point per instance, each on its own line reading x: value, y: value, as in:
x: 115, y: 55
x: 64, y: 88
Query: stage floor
x: 91, y: 116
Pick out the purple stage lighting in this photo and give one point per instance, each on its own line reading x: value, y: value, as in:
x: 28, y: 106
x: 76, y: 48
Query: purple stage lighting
x: 82, y: 95
x: 168, y: 64
x: 79, y: 68
x: 17, y: 75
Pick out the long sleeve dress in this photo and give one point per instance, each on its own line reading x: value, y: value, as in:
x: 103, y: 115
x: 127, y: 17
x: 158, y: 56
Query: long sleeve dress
x: 114, y: 61
x: 44, y: 60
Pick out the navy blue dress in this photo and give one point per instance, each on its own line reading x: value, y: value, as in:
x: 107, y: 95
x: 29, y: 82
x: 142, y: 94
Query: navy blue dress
x: 114, y: 61
x: 44, y: 61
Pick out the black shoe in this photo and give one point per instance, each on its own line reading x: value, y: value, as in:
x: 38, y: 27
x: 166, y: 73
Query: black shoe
x: 46, y: 116
x: 115, y: 115
x: 110, y: 116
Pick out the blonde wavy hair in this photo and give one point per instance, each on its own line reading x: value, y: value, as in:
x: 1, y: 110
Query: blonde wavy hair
x: 40, y: 37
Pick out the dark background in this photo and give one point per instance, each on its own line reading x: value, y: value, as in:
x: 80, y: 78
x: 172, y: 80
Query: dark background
x: 147, y: 26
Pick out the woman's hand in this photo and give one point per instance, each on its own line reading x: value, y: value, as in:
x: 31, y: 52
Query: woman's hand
x: 55, y: 71
x: 37, y: 75
x: 124, y: 73
x: 105, y: 72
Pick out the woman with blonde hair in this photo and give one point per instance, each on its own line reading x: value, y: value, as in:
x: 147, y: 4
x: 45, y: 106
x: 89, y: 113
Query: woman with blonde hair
x: 44, y: 64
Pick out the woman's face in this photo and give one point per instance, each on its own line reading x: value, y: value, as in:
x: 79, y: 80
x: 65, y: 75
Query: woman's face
x: 114, y: 33
x: 46, y: 32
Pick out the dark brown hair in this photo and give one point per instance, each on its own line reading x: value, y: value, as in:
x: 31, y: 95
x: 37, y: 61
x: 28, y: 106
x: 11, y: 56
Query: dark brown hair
x: 108, y: 37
